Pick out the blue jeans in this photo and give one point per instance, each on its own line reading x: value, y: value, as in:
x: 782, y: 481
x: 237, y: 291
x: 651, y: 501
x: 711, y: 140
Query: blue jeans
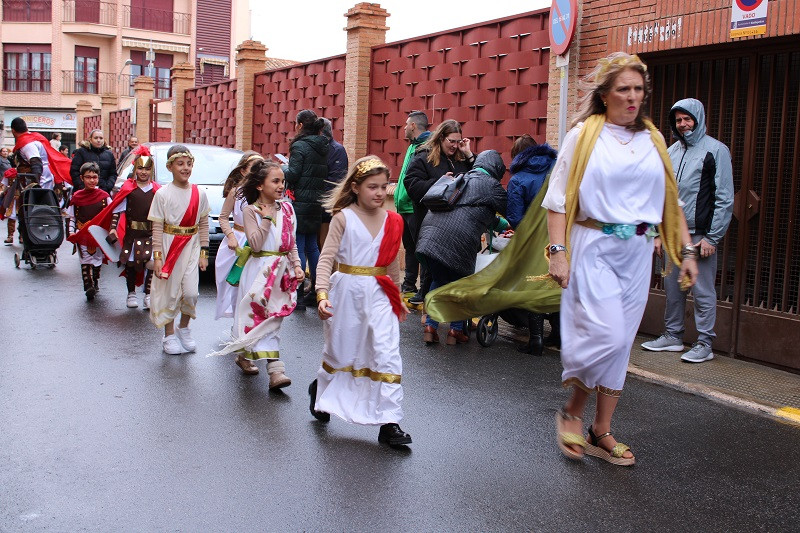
x: 441, y: 275
x: 307, y: 247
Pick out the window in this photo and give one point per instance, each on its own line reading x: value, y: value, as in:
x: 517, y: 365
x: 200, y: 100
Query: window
x: 26, y: 68
x: 27, y: 10
x: 160, y: 72
x: 154, y: 15
x: 86, y: 60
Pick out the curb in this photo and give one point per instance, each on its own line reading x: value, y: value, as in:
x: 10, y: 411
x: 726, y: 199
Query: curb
x: 783, y: 414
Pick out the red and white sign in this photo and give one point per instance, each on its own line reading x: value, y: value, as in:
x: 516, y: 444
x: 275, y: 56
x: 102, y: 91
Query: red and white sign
x: 563, y: 20
x: 748, y: 17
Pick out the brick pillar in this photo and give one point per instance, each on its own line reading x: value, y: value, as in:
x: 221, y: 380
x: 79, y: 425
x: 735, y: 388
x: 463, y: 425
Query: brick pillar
x: 366, y: 27
x: 83, y: 109
x: 143, y: 90
x: 182, y: 76
x: 251, y: 58
x: 108, y: 103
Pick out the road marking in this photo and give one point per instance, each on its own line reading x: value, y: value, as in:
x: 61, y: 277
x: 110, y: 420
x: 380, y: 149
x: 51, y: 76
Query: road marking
x: 789, y: 413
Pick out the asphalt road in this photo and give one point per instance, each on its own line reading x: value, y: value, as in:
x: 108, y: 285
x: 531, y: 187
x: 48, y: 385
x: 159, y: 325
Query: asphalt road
x: 100, y: 431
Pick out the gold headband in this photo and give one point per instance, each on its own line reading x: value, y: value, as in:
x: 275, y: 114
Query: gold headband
x: 368, y: 165
x: 175, y: 156
x: 253, y: 157
x: 620, y: 61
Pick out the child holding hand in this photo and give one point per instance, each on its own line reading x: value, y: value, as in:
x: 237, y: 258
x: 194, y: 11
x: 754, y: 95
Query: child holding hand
x: 179, y: 213
x: 359, y: 379
x: 267, y: 290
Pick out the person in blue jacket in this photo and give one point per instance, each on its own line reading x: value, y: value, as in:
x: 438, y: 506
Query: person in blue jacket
x: 530, y: 166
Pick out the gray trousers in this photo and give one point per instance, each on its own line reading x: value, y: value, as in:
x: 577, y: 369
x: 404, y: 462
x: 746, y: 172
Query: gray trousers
x: 705, y: 300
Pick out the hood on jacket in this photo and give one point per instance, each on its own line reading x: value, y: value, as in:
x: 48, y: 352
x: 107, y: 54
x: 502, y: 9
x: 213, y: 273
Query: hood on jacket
x: 536, y: 158
x: 421, y: 138
x: 491, y: 162
x: 319, y: 143
x: 89, y: 146
x: 695, y: 109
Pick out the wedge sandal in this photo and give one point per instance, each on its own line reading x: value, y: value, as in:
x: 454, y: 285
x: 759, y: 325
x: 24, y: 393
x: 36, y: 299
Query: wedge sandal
x: 615, y: 456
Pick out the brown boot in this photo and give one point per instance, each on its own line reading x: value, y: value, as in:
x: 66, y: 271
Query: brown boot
x: 247, y: 366
x: 277, y: 376
x: 12, y: 226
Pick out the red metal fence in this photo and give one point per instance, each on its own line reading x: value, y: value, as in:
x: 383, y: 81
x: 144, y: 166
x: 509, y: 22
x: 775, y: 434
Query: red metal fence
x: 281, y: 93
x: 491, y: 77
x: 120, y: 129
x: 210, y: 114
x: 95, y: 122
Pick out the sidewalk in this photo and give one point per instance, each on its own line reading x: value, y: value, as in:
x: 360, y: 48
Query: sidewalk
x: 747, y: 385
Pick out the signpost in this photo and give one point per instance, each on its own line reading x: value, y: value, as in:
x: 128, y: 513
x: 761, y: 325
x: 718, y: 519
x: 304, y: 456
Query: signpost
x: 563, y: 20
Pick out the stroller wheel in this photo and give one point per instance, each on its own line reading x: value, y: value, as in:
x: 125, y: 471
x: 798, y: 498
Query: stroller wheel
x: 16, y: 260
x: 487, y: 330
x: 51, y: 261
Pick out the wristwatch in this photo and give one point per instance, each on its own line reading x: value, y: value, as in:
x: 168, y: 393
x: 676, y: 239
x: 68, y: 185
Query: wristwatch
x: 555, y: 248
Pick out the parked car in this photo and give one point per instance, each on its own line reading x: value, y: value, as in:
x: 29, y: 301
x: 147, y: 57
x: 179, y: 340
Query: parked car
x: 212, y: 165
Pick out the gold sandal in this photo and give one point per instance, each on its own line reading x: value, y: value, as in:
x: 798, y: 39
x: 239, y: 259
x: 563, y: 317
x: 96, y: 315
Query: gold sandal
x: 565, y: 439
x: 615, y: 456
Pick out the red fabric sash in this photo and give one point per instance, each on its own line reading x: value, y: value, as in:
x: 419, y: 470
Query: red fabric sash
x: 180, y: 241
x: 59, y: 163
x: 390, y: 245
x: 103, y: 218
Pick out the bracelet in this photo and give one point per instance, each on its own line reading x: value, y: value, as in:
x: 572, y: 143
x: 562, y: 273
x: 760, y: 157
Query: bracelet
x: 689, y: 250
x: 322, y: 295
x: 157, y: 254
x: 203, y: 253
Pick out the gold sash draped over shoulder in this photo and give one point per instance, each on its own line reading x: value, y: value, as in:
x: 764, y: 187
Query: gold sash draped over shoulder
x: 518, y: 277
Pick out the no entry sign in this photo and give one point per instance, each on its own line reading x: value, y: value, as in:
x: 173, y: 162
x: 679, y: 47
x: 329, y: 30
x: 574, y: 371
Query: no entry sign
x: 563, y: 19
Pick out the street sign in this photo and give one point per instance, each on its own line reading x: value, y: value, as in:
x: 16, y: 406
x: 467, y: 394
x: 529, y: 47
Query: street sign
x: 748, y: 17
x: 563, y: 20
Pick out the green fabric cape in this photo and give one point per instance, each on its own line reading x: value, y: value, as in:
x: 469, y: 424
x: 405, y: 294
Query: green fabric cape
x: 518, y: 277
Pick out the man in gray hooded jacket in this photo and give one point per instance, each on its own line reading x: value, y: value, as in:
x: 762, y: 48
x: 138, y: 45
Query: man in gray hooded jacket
x: 705, y: 186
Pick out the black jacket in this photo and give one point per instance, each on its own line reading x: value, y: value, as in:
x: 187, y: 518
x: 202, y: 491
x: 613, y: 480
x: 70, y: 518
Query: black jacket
x: 421, y: 174
x: 305, y: 177
x: 453, y: 238
x: 104, y: 159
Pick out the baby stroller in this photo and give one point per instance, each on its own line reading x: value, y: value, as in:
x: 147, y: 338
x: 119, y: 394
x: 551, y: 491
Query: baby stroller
x: 487, y: 326
x: 40, y: 227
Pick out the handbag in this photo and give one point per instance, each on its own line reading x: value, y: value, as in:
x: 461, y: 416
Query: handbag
x: 444, y: 194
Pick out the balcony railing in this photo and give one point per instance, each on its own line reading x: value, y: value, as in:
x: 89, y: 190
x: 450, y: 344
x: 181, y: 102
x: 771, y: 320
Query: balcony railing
x: 157, y: 20
x: 82, y: 82
x: 26, y: 81
x: 90, y: 11
x: 27, y: 10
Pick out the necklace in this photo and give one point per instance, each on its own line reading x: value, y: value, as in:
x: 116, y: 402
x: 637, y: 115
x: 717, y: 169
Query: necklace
x: 620, y: 141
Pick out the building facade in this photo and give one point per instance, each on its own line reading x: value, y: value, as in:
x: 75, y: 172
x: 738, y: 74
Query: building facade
x: 57, y: 52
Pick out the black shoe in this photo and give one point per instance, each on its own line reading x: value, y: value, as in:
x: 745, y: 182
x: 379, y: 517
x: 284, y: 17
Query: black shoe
x: 408, y: 288
x: 553, y: 341
x: 301, y: 306
x: 392, y: 435
x: 90, y: 292
x: 417, y: 299
x: 319, y: 415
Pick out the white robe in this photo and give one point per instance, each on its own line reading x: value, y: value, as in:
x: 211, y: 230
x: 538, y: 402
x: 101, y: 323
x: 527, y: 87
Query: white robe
x: 359, y: 377
x: 178, y: 294
x: 226, y: 293
x: 602, y: 306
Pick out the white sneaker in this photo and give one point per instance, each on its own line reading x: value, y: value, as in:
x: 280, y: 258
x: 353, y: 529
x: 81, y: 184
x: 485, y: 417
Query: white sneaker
x: 185, y: 337
x: 172, y: 346
x: 132, y: 301
x: 146, y: 302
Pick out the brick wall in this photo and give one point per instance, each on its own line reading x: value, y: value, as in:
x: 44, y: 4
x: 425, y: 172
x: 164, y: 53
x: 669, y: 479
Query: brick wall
x: 281, y: 93
x: 210, y: 114
x: 490, y: 77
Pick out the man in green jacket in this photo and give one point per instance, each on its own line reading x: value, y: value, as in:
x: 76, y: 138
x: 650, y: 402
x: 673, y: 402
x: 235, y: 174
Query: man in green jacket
x: 417, y: 133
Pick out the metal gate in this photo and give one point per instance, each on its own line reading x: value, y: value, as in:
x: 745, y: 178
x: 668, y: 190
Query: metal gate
x: 157, y: 134
x: 752, y: 102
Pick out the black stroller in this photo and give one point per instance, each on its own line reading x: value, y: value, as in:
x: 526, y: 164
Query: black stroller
x: 40, y: 226
x: 487, y: 329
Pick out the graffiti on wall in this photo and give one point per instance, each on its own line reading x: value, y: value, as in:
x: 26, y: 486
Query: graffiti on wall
x: 660, y: 31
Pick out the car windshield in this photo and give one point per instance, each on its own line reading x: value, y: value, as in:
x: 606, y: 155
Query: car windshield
x: 212, y: 164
